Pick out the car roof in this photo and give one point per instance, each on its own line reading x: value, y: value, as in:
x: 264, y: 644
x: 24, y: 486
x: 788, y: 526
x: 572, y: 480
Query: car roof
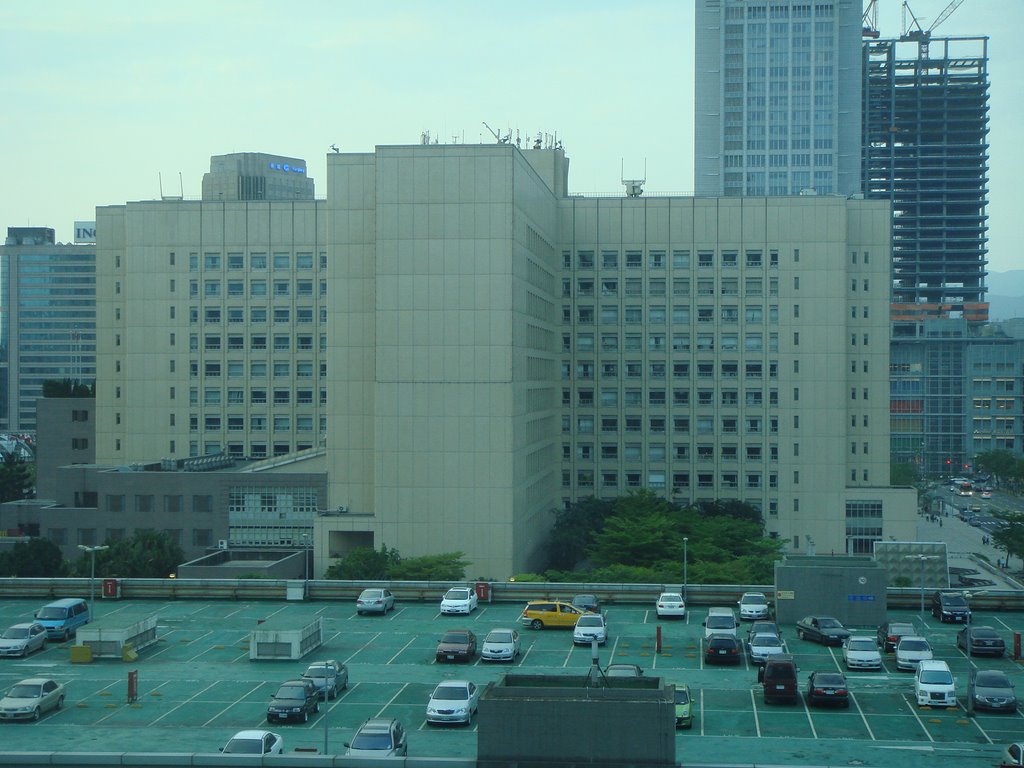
x: 452, y: 684
x: 933, y: 664
x: 500, y: 629
x: 377, y: 724
x: 252, y: 734
x: 35, y: 681
x: 24, y: 625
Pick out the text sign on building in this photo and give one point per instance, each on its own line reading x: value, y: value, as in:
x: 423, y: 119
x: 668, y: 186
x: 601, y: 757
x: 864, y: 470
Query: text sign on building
x: 85, y: 231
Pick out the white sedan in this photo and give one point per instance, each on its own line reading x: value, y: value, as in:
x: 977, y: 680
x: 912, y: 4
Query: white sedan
x: 911, y: 651
x: 500, y: 645
x: 254, y: 743
x: 22, y: 639
x: 764, y: 645
x: 459, y: 600
x: 29, y: 699
x: 670, y: 604
x: 861, y: 653
x: 590, y: 627
x: 453, y: 701
x: 753, y: 606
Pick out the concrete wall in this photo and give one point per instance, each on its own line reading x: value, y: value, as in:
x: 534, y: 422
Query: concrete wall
x: 851, y: 589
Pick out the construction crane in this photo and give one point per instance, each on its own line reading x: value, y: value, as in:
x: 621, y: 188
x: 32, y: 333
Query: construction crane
x: 915, y: 32
x: 869, y: 21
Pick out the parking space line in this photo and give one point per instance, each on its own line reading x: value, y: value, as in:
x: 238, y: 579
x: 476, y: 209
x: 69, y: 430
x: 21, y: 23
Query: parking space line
x: 861, y: 713
x: 391, y: 700
x: 395, y: 614
x: 835, y: 660
x: 917, y: 717
x: 807, y: 710
x: 701, y: 711
x: 1003, y: 623
x: 481, y: 614
x: 569, y: 655
x: 978, y: 725
x: 229, y: 706
x: 411, y: 641
x: 522, y: 657
x: 757, y: 720
x: 647, y: 613
x: 186, y: 701
x: 364, y: 645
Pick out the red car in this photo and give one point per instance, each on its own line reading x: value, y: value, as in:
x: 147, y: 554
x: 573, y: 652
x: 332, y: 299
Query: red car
x: 828, y: 688
x: 456, y: 645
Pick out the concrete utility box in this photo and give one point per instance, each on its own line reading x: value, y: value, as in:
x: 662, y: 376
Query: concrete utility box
x: 569, y: 719
x: 285, y: 638
x: 111, y: 637
x: 851, y: 589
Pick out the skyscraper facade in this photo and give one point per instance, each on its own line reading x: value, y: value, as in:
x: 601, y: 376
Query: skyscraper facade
x: 47, y: 319
x: 778, y: 92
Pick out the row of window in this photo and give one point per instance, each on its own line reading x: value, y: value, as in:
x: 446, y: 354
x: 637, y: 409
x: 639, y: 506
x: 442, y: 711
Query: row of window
x: 201, y: 537
x: 256, y: 423
x: 634, y: 369
x: 681, y: 425
x: 680, y: 259
x: 678, y: 452
x: 255, y: 450
x: 256, y: 315
x: 657, y: 314
x: 282, y: 289
x: 282, y: 342
x: 256, y: 369
x: 681, y: 342
x: 680, y: 480
x: 256, y: 262
x: 212, y: 396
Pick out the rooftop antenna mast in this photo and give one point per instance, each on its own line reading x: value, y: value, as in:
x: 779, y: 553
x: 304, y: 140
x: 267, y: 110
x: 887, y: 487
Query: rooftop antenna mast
x: 634, y: 187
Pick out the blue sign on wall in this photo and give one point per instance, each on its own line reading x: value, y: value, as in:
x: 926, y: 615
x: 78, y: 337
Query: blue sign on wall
x: 285, y: 167
x: 860, y: 598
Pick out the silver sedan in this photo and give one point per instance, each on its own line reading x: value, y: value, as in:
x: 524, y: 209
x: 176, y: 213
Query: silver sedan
x: 30, y: 699
x: 22, y: 639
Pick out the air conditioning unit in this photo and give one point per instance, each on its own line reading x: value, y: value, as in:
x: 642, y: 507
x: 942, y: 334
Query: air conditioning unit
x: 222, y: 544
x: 342, y: 509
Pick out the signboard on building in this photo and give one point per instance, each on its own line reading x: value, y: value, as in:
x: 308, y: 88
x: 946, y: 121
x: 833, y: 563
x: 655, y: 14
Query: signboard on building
x: 85, y: 231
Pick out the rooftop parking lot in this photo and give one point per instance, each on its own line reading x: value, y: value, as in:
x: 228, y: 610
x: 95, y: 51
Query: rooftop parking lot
x: 197, y: 686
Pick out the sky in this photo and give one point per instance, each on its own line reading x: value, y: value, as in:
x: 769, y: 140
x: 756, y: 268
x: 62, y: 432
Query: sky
x: 102, y: 101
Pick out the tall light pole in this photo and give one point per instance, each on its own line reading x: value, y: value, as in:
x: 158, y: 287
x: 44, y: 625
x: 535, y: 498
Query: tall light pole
x: 92, y: 574
x: 305, y: 562
x: 922, y: 558
x: 685, y: 539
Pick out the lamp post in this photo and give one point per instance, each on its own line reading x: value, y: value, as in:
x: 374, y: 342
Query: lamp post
x: 92, y: 574
x: 922, y: 558
x: 305, y: 562
x: 685, y: 584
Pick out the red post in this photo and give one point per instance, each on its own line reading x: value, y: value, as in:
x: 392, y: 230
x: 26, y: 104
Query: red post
x: 658, y: 643
x: 133, y: 686
x: 1016, y: 646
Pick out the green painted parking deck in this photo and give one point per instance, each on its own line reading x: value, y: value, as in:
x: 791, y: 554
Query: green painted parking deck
x: 197, y: 686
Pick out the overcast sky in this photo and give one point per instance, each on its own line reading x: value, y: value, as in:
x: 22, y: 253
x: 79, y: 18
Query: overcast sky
x: 100, y: 99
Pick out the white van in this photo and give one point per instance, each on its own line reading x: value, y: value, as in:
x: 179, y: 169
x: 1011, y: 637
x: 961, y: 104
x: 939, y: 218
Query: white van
x: 934, y: 684
x: 720, y: 621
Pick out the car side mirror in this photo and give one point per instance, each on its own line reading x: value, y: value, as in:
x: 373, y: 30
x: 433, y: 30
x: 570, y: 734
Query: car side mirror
x: 760, y: 674
x: 347, y: 744
x: 703, y: 623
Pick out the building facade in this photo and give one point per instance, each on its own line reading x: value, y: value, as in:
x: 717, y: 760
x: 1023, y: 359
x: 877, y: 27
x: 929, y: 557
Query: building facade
x: 47, y: 319
x: 777, y: 100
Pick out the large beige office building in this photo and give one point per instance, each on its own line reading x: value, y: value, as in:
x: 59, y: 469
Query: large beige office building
x: 494, y: 348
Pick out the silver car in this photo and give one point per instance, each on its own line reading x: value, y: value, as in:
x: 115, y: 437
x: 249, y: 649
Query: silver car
x: 29, y: 699
x: 500, y: 645
x: 375, y: 601
x: 329, y: 677
x: 22, y: 639
x: 379, y: 737
x: 453, y: 701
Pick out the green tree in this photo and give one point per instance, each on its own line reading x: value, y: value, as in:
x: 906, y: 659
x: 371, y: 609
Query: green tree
x: 364, y: 564
x: 39, y: 558
x: 644, y: 530
x: 17, y: 477
x: 1010, y: 535
x: 573, y: 528
x: 902, y: 474
x: 1001, y: 463
x: 449, y: 566
x: 146, y: 555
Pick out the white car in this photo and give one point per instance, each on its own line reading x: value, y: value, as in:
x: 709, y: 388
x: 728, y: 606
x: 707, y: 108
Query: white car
x: 861, y: 653
x: 763, y: 645
x: 254, y: 743
x: 911, y: 650
x: 753, y: 606
x: 459, y: 600
x: 22, y: 639
x: 453, y: 701
x: 934, y: 685
x: 670, y: 604
x: 500, y: 645
x: 378, y: 737
x: 589, y: 627
x: 29, y: 699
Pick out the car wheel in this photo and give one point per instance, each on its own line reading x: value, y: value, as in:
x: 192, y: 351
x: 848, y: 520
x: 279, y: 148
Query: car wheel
x: 800, y: 634
x: 537, y: 624
x: 60, y: 702
x: 35, y: 713
x: 316, y: 708
x: 305, y: 715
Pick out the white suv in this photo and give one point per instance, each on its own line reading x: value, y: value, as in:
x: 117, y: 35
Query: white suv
x: 934, y: 684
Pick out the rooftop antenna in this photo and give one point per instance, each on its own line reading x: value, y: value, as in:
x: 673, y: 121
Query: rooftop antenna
x: 634, y: 187
x: 494, y: 133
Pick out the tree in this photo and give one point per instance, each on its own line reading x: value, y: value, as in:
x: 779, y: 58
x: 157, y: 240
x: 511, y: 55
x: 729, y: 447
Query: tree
x: 902, y: 474
x: 644, y: 530
x: 39, y: 558
x: 146, y: 555
x: 571, y: 534
x: 449, y: 566
x: 17, y: 478
x: 364, y: 564
x: 1001, y: 463
x: 1010, y: 535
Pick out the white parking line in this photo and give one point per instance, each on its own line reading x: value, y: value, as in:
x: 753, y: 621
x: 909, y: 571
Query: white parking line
x: 757, y: 720
x: 1002, y: 622
x: 701, y: 711
x: 522, y: 656
x: 835, y: 660
x: 861, y: 712
x: 229, y: 706
x: 391, y: 700
x: 364, y: 645
x: 411, y: 641
x: 917, y: 717
x: 393, y: 615
x: 186, y: 701
x: 975, y: 721
x: 807, y: 710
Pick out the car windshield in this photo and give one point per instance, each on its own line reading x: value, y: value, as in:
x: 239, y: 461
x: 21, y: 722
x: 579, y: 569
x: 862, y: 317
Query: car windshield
x: 455, y: 637
x: 16, y: 633
x: 584, y: 600
x: 51, y: 613
x: 590, y: 621
x: 720, y: 622
x: 25, y: 691
x: 914, y: 645
x: 936, y: 677
x: 499, y: 637
x: 829, y: 624
x: 754, y: 600
x: 371, y: 740
x: 901, y: 629
x: 765, y: 640
x: 370, y: 594
x: 992, y: 680
x: 450, y: 693
x: 291, y: 692
x: 682, y: 696
x: 861, y: 644
x: 244, y: 747
x: 457, y: 594
x: 830, y: 680
x: 621, y: 671
x: 317, y: 672
x: 954, y: 601
x: 670, y: 597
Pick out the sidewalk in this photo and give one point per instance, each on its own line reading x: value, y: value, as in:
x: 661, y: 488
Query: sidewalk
x: 962, y: 541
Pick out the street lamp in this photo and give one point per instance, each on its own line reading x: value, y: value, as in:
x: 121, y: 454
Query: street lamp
x: 305, y: 561
x: 685, y: 539
x: 92, y: 574
x: 922, y: 558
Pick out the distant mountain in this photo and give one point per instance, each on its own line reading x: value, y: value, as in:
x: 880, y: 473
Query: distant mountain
x: 1006, y: 294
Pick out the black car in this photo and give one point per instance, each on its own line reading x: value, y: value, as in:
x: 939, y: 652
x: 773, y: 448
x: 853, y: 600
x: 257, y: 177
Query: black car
x: 722, y: 649
x: 822, y: 629
x: 588, y: 603
x: 982, y: 641
x: 991, y: 689
x: 889, y: 634
x: 763, y: 628
x: 950, y: 607
x: 828, y: 688
x: 294, y: 700
x: 456, y: 645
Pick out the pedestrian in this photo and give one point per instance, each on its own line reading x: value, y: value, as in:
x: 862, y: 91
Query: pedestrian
x: 940, y: 522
